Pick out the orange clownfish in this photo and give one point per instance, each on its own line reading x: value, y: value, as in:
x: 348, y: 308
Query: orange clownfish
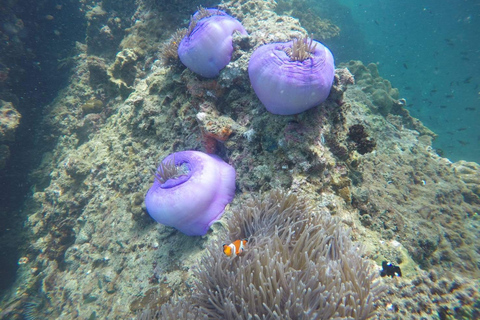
x: 235, y: 248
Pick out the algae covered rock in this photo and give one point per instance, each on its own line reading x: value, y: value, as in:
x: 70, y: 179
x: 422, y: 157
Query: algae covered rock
x: 9, y: 121
x: 92, y: 106
x: 469, y: 173
x: 383, y: 95
x: 384, y: 102
x: 122, y: 72
x: 104, y: 31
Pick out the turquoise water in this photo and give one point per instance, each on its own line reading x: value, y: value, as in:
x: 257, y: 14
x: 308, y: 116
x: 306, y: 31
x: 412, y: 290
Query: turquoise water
x: 430, y: 51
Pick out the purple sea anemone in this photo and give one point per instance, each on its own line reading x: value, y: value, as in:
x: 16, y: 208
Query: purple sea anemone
x: 292, y: 77
x: 190, y: 191
x: 207, y: 47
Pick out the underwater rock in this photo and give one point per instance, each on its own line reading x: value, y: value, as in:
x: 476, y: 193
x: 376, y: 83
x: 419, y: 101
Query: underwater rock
x: 78, y: 169
x: 216, y: 129
x: 88, y: 125
x: 123, y: 71
x: 383, y: 96
x: 363, y: 143
x: 9, y: 121
x: 92, y: 106
x: 469, y: 172
x: 343, y: 78
x: 190, y: 191
x: 291, y: 77
x: 383, y: 101
x: 341, y: 185
x: 207, y: 47
x: 104, y: 31
x: 336, y: 148
x: 98, y: 74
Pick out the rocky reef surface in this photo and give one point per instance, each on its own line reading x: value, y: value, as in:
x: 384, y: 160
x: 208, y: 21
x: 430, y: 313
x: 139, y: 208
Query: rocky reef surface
x: 360, y: 157
x: 9, y: 121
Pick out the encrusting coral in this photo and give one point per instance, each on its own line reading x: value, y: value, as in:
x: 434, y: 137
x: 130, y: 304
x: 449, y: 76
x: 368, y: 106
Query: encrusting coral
x: 298, y: 265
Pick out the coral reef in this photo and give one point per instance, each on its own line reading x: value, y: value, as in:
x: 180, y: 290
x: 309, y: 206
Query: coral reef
x: 92, y: 106
x: 383, y: 95
x: 122, y: 72
x: 93, y: 252
x: 9, y: 121
x: 104, y: 32
x: 469, y: 172
x: 217, y: 129
x: 363, y: 143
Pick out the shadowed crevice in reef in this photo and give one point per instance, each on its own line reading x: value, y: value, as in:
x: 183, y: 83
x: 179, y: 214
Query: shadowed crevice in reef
x: 37, y: 43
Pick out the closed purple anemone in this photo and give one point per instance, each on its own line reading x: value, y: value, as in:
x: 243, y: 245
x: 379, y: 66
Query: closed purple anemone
x: 291, y: 77
x: 207, y: 47
x: 190, y: 191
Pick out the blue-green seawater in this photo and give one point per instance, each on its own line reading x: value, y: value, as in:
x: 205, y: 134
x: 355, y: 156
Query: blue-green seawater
x: 429, y: 50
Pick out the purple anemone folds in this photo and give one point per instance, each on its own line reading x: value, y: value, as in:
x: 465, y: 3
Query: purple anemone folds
x: 288, y: 80
x: 207, y: 47
x: 195, y: 195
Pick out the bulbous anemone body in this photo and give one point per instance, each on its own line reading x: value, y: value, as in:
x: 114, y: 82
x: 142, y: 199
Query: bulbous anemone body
x: 289, y: 87
x: 191, y: 202
x: 208, y: 48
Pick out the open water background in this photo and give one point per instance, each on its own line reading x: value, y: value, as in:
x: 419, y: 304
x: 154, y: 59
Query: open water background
x: 430, y: 50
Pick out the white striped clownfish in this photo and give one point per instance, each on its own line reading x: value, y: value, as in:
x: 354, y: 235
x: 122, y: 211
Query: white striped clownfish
x: 235, y: 248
